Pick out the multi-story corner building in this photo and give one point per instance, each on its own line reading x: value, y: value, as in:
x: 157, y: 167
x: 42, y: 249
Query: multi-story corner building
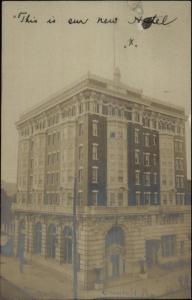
x: 127, y: 152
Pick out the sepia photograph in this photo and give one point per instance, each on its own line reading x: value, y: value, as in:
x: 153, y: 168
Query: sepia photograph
x: 96, y: 150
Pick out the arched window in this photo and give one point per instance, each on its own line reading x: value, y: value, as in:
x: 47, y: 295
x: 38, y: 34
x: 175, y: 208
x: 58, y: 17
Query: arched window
x: 115, y: 236
x: 38, y: 238
x: 51, y: 241
x: 68, y: 245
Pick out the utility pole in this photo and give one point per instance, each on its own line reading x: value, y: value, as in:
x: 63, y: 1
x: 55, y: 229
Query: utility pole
x: 74, y: 242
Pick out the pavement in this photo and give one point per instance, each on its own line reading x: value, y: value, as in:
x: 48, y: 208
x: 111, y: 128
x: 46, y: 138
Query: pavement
x: 40, y: 283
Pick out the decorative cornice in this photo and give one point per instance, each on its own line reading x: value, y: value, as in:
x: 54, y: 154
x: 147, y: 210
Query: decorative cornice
x: 88, y: 87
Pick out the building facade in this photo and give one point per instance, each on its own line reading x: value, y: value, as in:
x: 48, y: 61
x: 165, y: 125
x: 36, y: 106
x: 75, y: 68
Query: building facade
x: 128, y: 154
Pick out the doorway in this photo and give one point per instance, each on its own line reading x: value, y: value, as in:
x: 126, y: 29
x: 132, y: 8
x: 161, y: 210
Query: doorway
x: 152, y: 250
x: 115, y: 265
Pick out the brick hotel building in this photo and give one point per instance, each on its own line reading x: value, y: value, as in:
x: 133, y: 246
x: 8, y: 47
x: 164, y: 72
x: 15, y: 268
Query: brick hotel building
x: 129, y: 154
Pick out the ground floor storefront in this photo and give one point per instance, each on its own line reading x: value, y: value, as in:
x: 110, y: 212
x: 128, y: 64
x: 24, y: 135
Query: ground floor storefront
x: 107, y: 247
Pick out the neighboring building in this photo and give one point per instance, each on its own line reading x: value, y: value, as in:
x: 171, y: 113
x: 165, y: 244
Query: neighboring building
x: 128, y: 153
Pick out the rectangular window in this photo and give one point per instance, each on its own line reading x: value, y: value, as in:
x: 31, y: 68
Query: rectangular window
x: 49, y: 139
x: 146, y: 140
x: 120, y: 176
x: 155, y: 178
x: 182, y: 198
x: 95, y: 107
x: 180, y: 147
x: 177, y: 164
x: 177, y: 198
x: 80, y: 177
x: 80, y: 152
x: 94, y: 197
x: 146, y: 122
x: 32, y: 144
x: 31, y: 163
x: 80, y: 198
x: 155, y: 197
x: 154, y: 124
x: 120, y: 199
x: 136, y: 156
x: 94, y: 174
x: 80, y: 129
x: 80, y: 108
x: 177, y: 181
x: 181, y: 181
x: 112, y: 199
x: 154, y: 140
x: 147, y: 197
x: 87, y: 106
x: 95, y: 128
x: 164, y: 179
x: 112, y: 134
x: 136, y: 136
x: 138, y: 198
x: 137, y: 117
x: 54, y: 138
x: 168, y: 245
x: 181, y: 166
x: 69, y: 199
x: 137, y: 177
x: 94, y: 152
x: 147, y: 179
x: 155, y: 159
x: 146, y: 159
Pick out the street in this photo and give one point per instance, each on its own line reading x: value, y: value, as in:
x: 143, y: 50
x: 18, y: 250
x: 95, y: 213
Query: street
x: 9, y: 291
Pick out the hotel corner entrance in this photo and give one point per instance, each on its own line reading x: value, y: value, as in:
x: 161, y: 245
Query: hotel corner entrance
x: 114, y: 252
x: 115, y: 265
x: 152, y: 248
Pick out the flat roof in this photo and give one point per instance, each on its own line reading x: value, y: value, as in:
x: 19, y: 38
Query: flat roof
x: 103, y: 85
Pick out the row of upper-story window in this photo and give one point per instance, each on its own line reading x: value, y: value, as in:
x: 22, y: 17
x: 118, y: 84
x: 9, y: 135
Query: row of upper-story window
x: 34, y: 179
x: 94, y: 152
x: 180, y: 198
x: 147, y: 179
x: 94, y: 174
x: 167, y: 179
x: 52, y: 178
x: 180, y: 181
x: 53, y: 158
x: 53, y: 138
x: 179, y: 164
x: 52, y: 198
x: 167, y: 198
x: 94, y: 128
x: 148, y: 159
x: 147, y: 198
x: 169, y: 219
x: 145, y: 138
x: 115, y: 200
x: 146, y: 121
x: 179, y: 146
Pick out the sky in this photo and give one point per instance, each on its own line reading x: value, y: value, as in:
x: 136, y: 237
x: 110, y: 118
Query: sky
x: 39, y: 59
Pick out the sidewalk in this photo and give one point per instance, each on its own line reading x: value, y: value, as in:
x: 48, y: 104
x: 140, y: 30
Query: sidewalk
x: 43, y: 284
